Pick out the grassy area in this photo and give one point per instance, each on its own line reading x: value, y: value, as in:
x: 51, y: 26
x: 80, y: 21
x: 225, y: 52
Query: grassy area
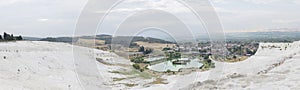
x: 137, y: 73
x: 118, y: 79
x: 242, y: 58
x: 130, y: 85
x: 159, y: 81
x: 144, y: 75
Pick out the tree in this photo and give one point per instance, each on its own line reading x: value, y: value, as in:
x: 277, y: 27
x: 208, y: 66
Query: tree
x: 19, y: 38
x: 0, y: 37
x: 141, y: 49
x: 234, y: 57
x: 206, y: 57
x: 177, y: 55
x: 12, y: 37
x: 148, y: 51
x: 6, y: 36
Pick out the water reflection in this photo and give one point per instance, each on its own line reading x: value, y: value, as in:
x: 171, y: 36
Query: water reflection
x: 168, y: 65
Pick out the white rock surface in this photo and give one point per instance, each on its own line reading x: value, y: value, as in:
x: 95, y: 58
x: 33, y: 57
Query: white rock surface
x: 34, y: 65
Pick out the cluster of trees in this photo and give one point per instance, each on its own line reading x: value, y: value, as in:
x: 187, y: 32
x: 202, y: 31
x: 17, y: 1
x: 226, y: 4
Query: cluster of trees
x: 145, y: 50
x: 172, y: 55
x: 241, y: 50
x: 10, y: 37
x: 252, y: 52
x: 166, y: 49
x: 207, y: 64
x: 60, y: 39
x: 139, y: 67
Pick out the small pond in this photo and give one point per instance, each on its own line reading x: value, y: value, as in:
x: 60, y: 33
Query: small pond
x: 168, y: 65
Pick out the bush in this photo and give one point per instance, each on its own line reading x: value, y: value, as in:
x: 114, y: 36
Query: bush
x: 137, y: 60
x: 206, y: 57
x: 166, y: 49
x: 141, y: 70
x: 168, y: 71
x: 146, y: 67
x: 136, y: 66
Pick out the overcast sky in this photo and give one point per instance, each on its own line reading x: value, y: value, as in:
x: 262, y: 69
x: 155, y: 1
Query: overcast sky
x: 48, y: 18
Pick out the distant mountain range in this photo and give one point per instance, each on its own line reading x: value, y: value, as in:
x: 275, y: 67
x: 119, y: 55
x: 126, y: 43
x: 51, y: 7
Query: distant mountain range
x: 32, y: 38
x: 107, y: 38
x: 274, y: 36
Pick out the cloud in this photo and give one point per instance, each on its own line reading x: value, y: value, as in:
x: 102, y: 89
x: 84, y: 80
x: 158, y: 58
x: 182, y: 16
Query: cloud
x: 25, y: 16
x: 296, y: 2
x: 42, y: 20
x: 130, y: 7
x: 255, y: 14
x: 286, y: 21
x: 61, y: 15
x: 141, y: 5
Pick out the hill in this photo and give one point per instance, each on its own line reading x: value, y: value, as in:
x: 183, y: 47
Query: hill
x: 123, y: 40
